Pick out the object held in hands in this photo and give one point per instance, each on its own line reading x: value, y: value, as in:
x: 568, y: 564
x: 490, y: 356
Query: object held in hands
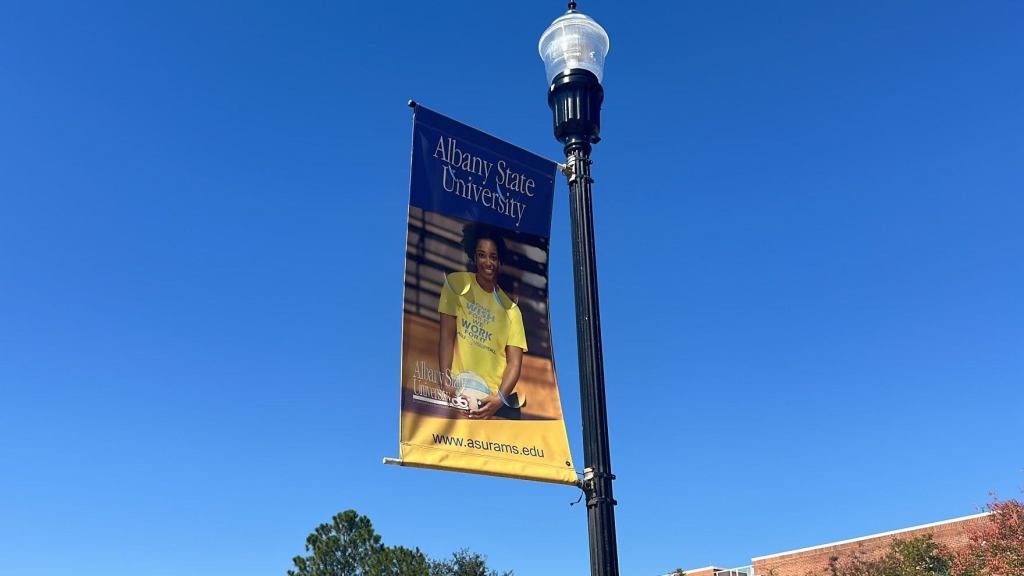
x: 470, y: 389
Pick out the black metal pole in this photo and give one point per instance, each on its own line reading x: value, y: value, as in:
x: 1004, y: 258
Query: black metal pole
x: 597, y: 483
x: 575, y: 98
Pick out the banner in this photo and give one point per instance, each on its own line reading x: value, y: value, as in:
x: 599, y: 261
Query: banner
x: 479, y: 392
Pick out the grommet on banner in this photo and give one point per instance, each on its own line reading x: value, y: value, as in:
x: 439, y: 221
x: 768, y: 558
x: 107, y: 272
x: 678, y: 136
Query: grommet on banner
x: 394, y: 461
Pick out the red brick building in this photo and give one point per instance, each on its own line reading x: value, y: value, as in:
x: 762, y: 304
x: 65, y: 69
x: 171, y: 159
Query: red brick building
x: 953, y: 533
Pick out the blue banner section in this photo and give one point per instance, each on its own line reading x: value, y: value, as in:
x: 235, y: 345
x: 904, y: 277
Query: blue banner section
x: 462, y: 172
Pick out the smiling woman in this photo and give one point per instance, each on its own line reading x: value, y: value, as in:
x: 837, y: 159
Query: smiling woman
x: 482, y: 339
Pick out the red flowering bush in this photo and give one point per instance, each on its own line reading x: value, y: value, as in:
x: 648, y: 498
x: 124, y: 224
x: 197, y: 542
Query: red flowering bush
x: 996, y: 547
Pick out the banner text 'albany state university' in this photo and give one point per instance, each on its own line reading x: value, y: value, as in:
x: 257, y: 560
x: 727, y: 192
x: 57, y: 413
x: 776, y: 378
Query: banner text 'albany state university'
x: 479, y: 392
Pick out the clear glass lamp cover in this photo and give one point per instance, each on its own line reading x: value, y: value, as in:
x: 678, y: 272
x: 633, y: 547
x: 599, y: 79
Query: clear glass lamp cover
x: 574, y: 40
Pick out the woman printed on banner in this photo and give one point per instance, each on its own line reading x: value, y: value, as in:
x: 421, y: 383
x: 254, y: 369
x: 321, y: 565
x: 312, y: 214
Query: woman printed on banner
x: 482, y: 341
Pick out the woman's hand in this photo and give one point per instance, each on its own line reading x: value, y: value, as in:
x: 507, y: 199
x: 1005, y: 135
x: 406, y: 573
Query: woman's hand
x: 488, y: 407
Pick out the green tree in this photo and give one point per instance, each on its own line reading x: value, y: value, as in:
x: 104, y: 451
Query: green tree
x: 920, y: 556
x: 464, y: 563
x: 401, y: 561
x: 349, y: 546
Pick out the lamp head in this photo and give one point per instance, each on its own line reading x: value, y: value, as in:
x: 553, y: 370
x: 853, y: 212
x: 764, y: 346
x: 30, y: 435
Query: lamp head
x: 573, y: 49
x: 573, y: 41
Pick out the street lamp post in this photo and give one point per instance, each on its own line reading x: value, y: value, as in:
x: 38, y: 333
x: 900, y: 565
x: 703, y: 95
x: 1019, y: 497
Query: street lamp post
x: 573, y: 49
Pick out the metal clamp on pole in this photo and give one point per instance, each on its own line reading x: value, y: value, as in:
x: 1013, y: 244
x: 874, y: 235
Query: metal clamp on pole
x: 590, y: 487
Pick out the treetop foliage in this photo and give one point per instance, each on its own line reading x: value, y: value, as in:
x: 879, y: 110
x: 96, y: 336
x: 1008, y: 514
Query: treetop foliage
x: 349, y: 546
x: 995, y: 548
x: 920, y: 556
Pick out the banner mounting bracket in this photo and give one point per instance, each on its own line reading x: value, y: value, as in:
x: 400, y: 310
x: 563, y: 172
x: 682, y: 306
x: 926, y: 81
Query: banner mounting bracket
x: 569, y: 170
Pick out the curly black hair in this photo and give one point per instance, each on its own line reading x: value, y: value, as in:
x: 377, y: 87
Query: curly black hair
x: 474, y: 232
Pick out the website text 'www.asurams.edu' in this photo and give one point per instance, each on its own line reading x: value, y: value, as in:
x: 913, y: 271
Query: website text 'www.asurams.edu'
x: 445, y: 440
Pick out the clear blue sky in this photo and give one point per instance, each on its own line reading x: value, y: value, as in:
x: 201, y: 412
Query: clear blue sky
x: 809, y: 231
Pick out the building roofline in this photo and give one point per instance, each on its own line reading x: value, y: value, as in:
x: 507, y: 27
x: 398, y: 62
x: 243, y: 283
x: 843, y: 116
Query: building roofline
x: 879, y: 535
x: 714, y: 569
x: 711, y: 567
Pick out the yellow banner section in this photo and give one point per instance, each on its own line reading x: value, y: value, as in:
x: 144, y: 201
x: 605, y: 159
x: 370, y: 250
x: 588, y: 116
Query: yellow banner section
x: 531, y: 450
x: 436, y: 431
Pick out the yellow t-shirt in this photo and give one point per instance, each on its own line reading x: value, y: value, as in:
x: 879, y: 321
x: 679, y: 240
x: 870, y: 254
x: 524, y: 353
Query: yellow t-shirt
x: 486, y: 322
